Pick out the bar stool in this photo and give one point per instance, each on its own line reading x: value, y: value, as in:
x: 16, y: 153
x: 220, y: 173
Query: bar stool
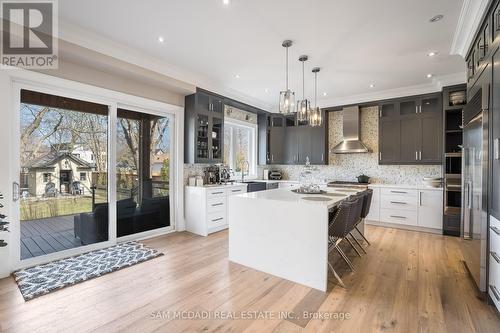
x: 367, y: 202
x: 339, y: 227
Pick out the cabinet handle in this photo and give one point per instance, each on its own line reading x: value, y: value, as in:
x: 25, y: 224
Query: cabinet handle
x: 380, y: 156
x: 220, y: 218
x: 495, y: 292
x: 235, y: 190
x: 495, y: 230
x: 399, y: 203
x: 420, y: 108
x: 272, y: 158
x: 322, y: 157
x: 495, y: 256
x: 217, y: 204
x: 420, y: 155
x: 420, y: 198
x: 400, y: 192
x: 217, y: 192
x: 15, y: 191
x: 496, y: 148
x: 416, y: 108
x: 416, y: 155
x: 398, y: 217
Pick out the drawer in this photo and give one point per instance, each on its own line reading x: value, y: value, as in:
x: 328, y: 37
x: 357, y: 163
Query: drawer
x: 216, y: 192
x: 494, y: 282
x: 398, y: 202
x: 398, y: 216
x: 216, y: 204
x: 215, y: 220
x: 494, y: 236
x: 236, y: 190
x: 401, y: 192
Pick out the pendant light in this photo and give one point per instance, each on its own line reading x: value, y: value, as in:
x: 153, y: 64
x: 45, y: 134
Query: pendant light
x: 303, y: 106
x: 315, y: 115
x: 287, y: 97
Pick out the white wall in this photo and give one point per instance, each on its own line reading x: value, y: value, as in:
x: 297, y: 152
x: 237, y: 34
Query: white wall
x: 5, y: 156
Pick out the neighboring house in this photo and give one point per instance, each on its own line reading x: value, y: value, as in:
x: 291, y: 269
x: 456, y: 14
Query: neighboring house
x: 157, y: 163
x: 59, y: 168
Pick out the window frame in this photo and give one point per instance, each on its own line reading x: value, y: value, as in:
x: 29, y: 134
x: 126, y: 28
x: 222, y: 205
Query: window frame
x: 231, y: 123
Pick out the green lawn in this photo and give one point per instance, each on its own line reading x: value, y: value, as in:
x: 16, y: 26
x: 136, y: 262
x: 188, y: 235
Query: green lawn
x: 50, y: 207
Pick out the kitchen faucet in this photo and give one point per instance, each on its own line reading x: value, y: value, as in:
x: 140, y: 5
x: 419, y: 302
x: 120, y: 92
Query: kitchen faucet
x: 243, y: 170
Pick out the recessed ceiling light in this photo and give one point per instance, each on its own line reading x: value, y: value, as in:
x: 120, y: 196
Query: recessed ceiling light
x: 266, y: 90
x: 237, y: 76
x: 372, y: 85
x: 436, y: 18
x: 226, y: 2
x: 432, y: 54
x: 325, y: 94
x: 429, y: 76
x: 161, y: 39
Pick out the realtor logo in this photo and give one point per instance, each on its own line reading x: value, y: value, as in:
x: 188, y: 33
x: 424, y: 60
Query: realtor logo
x: 29, y: 34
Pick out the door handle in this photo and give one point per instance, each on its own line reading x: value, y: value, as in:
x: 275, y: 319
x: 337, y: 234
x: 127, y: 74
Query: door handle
x: 15, y: 191
x: 495, y: 230
x: 495, y: 256
x: 495, y: 292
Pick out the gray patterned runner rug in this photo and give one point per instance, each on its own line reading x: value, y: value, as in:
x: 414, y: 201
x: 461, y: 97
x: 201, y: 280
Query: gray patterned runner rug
x: 40, y: 280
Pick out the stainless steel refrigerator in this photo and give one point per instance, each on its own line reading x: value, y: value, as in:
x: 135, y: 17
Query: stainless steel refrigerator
x: 474, y: 224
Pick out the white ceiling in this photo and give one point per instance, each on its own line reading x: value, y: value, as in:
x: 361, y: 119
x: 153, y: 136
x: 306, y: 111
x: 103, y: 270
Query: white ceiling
x: 356, y: 43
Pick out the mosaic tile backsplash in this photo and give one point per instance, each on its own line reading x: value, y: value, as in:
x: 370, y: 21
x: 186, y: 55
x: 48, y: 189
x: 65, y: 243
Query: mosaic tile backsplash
x: 348, y: 166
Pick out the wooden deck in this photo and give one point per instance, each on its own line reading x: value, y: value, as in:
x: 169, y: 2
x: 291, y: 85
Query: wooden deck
x: 43, y: 236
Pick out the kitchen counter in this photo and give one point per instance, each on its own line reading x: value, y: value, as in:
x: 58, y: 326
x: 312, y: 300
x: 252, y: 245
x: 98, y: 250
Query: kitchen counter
x: 280, y: 233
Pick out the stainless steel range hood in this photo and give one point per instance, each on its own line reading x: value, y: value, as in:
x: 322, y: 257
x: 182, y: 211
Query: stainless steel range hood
x: 351, y: 143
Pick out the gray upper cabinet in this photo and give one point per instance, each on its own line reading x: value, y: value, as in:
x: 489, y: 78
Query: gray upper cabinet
x: 410, y: 130
x: 204, y: 128
x: 286, y: 142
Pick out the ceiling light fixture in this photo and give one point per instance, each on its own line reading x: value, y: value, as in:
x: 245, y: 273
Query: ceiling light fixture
x: 436, y: 18
x: 430, y: 75
x: 372, y: 85
x: 226, y: 2
x: 161, y: 39
x: 315, y: 115
x: 303, y: 106
x: 325, y: 94
x: 237, y: 76
x: 432, y: 54
x: 266, y: 90
x: 287, y: 97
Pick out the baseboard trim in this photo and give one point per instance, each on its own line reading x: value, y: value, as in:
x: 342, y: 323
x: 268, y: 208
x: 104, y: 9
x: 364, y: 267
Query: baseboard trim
x: 404, y: 227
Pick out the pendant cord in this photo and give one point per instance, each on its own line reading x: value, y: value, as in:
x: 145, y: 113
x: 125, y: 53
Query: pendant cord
x: 286, y: 74
x: 315, y: 90
x: 303, y: 80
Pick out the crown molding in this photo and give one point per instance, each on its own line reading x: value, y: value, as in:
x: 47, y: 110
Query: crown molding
x: 82, y: 37
x: 469, y: 20
x: 436, y: 85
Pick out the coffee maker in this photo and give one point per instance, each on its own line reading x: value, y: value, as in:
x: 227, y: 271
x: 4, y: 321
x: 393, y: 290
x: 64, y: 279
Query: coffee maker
x: 212, y: 175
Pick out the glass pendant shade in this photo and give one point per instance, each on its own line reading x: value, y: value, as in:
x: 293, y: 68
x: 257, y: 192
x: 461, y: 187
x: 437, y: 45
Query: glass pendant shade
x: 303, y: 109
x: 287, y: 102
x: 287, y: 97
x: 315, y: 117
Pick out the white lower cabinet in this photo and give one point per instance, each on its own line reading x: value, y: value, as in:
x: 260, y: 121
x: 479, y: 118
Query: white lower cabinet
x: 494, y: 261
x: 412, y: 207
x: 206, y: 207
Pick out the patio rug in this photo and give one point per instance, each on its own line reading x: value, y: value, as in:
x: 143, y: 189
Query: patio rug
x: 40, y: 280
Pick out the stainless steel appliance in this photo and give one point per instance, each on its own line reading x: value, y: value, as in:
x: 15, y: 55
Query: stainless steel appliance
x: 474, y: 222
x: 351, y: 125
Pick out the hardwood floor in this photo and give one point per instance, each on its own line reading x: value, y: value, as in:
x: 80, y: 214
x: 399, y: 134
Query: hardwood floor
x: 408, y: 282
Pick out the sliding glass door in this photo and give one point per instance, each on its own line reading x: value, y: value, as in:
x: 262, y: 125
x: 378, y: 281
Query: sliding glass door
x: 64, y: 188
x: 63, y: 183
x: 142, y: 172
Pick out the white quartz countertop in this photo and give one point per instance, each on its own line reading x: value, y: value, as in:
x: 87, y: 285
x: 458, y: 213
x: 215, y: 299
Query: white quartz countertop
x: 334, y: 196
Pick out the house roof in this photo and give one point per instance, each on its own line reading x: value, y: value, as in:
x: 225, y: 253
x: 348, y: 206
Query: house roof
x: 48, y: 160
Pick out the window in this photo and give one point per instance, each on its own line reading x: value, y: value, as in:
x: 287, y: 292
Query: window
x: 83, y: 176
x: 240, y: 146
x: 47, y: 177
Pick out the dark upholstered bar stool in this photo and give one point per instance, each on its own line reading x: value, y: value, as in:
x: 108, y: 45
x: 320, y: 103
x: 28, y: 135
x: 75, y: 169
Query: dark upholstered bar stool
x: 367, y: 202
x: 339, y: 227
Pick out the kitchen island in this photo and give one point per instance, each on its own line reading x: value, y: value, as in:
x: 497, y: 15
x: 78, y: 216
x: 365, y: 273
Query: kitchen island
x: 284, y: 233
